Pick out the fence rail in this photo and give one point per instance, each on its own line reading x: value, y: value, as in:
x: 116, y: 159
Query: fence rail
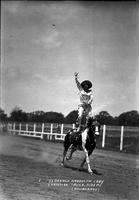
x: 58, y: 131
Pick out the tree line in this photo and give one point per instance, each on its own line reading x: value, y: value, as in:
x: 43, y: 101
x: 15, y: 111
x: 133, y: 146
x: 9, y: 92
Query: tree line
x: 130, y: 118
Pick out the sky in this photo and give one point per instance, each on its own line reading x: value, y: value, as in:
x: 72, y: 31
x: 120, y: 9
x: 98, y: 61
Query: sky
x: 44, y: 42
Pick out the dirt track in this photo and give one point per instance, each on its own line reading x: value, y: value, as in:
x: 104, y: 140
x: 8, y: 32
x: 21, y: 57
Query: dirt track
x: 29, y: 169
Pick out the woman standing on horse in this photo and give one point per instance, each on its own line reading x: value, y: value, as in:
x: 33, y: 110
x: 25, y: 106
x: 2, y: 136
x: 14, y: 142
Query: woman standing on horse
x: 86, y: 98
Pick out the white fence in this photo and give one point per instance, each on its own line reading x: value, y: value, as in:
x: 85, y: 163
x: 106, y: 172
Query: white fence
x: 40, y: 130
x: 58, y: 131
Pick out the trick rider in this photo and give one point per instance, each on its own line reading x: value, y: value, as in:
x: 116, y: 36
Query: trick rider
x: 86, y: 98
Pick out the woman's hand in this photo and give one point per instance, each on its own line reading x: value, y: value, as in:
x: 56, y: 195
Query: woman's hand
x: 76, y: 74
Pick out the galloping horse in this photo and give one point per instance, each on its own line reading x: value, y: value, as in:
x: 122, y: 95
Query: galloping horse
x: 84, y: 141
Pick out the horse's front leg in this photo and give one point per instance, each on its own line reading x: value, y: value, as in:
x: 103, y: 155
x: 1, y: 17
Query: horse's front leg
x: 64, y: 155
x: 86, y: 159
x: 71, y: 152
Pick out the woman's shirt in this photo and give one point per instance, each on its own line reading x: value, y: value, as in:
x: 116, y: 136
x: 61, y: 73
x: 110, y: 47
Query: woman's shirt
x: 85, y: 97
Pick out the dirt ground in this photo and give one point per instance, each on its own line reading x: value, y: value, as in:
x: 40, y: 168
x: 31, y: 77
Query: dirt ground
x: 30, y: 170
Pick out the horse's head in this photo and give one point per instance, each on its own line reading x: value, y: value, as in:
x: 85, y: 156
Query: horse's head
x: 89, y: 122
x: 93, y: 125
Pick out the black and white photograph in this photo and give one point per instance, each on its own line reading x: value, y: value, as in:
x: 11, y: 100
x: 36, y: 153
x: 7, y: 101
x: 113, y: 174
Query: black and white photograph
x: 69, y: 100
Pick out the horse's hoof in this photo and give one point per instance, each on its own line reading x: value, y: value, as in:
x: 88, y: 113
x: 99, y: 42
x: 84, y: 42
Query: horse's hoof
x: 91, y: 173
x: 62, y: 164
x: 81, y: 169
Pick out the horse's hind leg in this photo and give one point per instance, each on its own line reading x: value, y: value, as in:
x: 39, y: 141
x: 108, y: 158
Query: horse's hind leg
x: 82, y: 164
x: 66, y: 146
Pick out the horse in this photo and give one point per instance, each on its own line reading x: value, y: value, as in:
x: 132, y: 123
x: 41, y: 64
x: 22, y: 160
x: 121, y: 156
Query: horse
x: 85, y: 141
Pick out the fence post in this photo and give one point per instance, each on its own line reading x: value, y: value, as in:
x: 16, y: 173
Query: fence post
x: 8, y: 126
x: 34, y: 128
x: 51, y: 132
x: 1, y: 127
x: 19, y: 128
x: 103, y: 136
x: 14, y: 129
x: 62, y: 128
x: 42, y: 131
x: 26, y: 129
x: 48, y: 135
x: 122, y: 137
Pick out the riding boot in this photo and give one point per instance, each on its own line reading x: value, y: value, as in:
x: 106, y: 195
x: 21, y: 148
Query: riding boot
x: 79, y: 124
x: 86, y: 124
x: 76, y: 125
